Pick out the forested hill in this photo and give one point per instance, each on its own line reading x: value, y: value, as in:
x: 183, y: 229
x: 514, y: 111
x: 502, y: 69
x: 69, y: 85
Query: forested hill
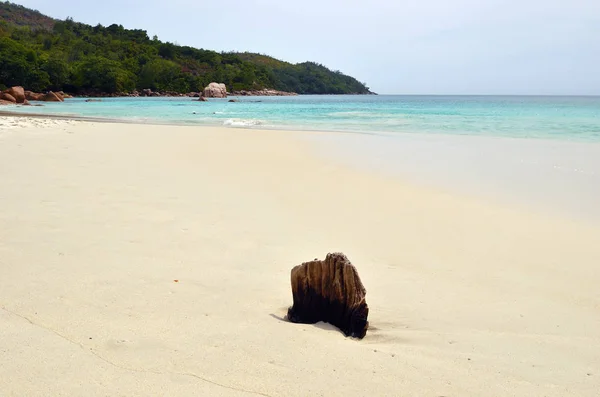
x: 41, y: 53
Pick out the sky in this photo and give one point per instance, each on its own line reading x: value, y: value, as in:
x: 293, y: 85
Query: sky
x: 526, y: 47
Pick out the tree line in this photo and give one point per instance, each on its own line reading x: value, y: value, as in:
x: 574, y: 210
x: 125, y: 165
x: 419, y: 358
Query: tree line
x: 42, y: 54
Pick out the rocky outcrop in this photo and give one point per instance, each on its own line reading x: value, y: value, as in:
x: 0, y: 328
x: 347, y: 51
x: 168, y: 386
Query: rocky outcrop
x: 263, y: 92
x: 7, y: 97
x: 17, y: 95
x: 52, y: 97
x: 17, y: 92
x: 147, y: 92
x: 33, y: 96
x: 209, y: 92
x: 14, y: 95
x: 215, y: 90
x: 331, y: 291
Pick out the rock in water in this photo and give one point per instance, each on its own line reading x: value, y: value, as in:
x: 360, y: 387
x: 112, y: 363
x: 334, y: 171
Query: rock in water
x: 215, y: 90
x: 330, y: 291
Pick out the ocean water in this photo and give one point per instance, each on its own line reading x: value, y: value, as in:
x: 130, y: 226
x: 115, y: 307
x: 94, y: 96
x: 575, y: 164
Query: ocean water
x: 547, y: 117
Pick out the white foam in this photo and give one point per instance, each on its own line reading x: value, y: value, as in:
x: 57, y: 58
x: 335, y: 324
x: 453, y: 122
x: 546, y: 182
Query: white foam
x: 242, y: 122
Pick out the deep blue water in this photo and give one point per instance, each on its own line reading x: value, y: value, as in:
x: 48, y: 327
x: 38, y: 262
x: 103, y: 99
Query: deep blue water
x: 565, y: 118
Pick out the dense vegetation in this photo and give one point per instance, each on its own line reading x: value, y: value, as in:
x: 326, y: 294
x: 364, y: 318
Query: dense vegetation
x: 41, y: 53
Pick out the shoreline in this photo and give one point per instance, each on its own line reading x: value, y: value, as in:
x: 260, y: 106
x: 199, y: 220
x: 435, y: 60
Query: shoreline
x: 294, y: 128
x: 547, y: 176
x: 549, y: 119
x: 98, y: 221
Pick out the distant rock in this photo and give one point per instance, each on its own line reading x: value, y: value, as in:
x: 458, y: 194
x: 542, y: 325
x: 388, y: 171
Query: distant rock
x: 202, y: 99
x: 33, y: 96
x: 15, y: 95
x: 263, y: 92
x: 52, y: 97
x: 8, y: 97
x: 233, y: 100
x: 17, y: 92
x: 172, y: 94
x: 215, y: 90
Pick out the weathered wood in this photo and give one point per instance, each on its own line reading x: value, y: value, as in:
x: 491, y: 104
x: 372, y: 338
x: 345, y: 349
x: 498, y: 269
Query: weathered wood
x: 331, y: 291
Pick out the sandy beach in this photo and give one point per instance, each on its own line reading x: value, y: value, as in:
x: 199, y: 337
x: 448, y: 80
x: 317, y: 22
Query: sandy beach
x: 142, y: 260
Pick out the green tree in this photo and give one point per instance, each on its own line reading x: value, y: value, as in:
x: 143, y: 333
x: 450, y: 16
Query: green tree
x: 103, y: 75
x: 14, y: 68
x: 58, y: 72
x: 161, y: 74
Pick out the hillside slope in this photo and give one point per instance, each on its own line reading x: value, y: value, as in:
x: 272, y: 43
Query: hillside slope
x: 42, y: 53
x: 22, y: 16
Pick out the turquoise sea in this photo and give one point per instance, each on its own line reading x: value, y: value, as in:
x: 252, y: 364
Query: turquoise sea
x: 564, y: 118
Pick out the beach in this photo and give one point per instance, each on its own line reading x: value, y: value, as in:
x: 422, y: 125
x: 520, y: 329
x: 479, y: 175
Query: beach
x: 151, y: 260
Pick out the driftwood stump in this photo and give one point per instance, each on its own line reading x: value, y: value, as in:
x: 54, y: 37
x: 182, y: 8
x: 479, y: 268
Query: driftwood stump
x: 330, y: 291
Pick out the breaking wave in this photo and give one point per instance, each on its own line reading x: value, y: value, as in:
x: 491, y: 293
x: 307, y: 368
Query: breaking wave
x: 242, y: 122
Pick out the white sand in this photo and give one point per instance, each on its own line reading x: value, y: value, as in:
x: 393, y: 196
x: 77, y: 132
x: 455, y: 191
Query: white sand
x: 467, y: 298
